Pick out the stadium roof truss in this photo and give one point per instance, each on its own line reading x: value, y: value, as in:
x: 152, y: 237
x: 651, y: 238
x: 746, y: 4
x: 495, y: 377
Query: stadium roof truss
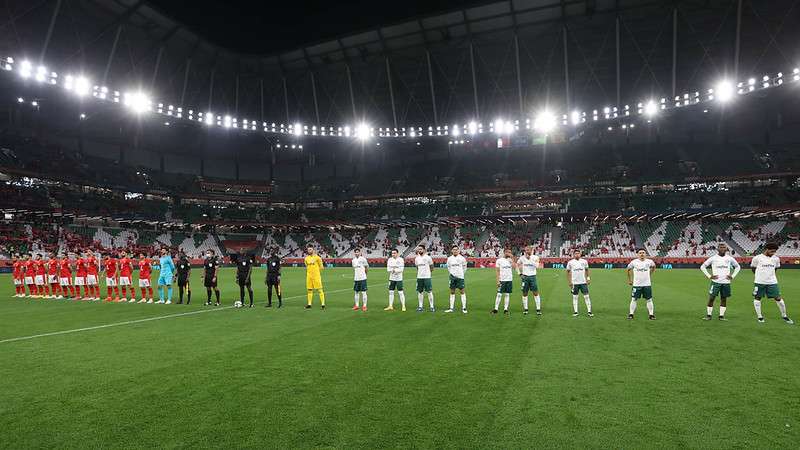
x: 499, y: 59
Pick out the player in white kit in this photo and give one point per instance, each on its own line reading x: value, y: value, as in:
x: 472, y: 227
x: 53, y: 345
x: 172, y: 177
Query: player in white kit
x: 395, y: 265
x: 721, y: 278
x: 639, y: 271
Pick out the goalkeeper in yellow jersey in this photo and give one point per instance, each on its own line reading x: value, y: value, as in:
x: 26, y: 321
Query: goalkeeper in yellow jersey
x: 314, y: 266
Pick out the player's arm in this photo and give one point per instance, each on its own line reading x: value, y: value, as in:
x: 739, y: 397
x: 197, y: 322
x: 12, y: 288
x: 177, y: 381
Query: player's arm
x: 249, y: 271
x: 704, y: 269
x: 753, y: 264
x: 569, y: 275
x: 736, y: 269
x: 629, y: 272
x: 497, y: 273
x: 588, y: 279
x: 366, y: 267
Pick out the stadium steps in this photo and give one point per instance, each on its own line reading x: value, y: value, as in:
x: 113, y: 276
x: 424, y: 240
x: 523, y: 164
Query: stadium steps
x: 555, y: 240
x: 716, y: 228
x: 482, y: 239
x: 636, y: 236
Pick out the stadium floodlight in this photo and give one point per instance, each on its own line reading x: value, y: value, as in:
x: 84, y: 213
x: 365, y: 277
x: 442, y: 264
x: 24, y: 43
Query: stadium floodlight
x: 575, y: 117
x: 473, y: 128
x: 650, y: 108
x: 41, y: 74
x: 83, y: 116
x: 545, y: 122
x: 25, y: 69
x: 362, y: 131
x: 20, y: 100
x: 723, y: 91
x: 209, y: 118
x: 455, y: 131
x: 138, y: 102
x: 297, y: 129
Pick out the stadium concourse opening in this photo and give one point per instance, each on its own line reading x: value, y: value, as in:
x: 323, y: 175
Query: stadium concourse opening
x: 211, y: 212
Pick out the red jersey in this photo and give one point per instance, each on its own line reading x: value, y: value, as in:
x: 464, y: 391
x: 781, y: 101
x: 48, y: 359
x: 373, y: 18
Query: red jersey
x: 125, y: 267
x: 111, y: 267
x: 52, y: 267
x: 39, y: 267
x: 66, y: 270
x: 80, y: 268
x: 144, y: 269
x: 91, y: 266
x: 30, y: 268
x: 17, y: 269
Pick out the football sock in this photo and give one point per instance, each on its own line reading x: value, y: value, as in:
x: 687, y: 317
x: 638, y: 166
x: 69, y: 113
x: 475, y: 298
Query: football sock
x: 588, y: 302
x: 463, y: 301
x: 355, y: 299
x: 722, y: 310
x: 208, y: 295
x: 269, y: 294
x: 402, y: 296
x: 161, y: 293
x: 72, y: 291
x: 419, y: 299
x: 150, y: 292
x: 86, y: 291
x: 452, y: 300
x: 506, y: 301
x: 497, y: 301
x: 538, y: 301
x: 180, y: 295
x: 189, y: 296
x: 322, y: 297
x: 575, y: 304
x: 524, y: 302
x: 169, y: 293
x: 143, y: 292
x: 310, y: 296
x: 391, y: 299
x: 650, y: 306
x: 757, y: 306
x: 124, y: 292
x: 250, y: 294
x: 364, y: 301
x: 216, y: 294
x: 116, y: 291
x: 241, y: 293
x: 632, y: 308
x: 710, y: 310
x: 430, y: 299
x: 782, y: 307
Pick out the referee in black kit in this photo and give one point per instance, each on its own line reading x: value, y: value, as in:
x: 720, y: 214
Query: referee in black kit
x: 184, y: 273
x: 244, y: 267
x: 273, y: 279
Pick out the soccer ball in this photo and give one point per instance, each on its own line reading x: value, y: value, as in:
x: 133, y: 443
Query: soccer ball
x: 238, y: 304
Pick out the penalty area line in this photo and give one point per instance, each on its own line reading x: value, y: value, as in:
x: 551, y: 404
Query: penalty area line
x: 135, y: 321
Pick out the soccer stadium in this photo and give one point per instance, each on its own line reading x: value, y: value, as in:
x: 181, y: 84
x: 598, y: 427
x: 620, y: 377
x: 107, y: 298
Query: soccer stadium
x: 211, y: 211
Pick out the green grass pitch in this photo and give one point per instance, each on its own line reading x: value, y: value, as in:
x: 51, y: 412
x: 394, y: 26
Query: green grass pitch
x: 343, y: 379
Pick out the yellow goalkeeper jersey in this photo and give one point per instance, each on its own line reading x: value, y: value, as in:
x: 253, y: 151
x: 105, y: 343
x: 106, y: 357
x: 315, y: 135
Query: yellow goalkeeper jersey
x: 313, y: 266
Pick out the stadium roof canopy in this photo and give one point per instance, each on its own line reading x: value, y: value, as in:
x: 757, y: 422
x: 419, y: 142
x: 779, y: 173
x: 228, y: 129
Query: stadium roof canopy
x: 508, y: 58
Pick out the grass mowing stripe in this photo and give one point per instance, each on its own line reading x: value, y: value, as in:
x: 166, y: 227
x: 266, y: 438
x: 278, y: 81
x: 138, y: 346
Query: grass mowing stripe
x: 131, y: 322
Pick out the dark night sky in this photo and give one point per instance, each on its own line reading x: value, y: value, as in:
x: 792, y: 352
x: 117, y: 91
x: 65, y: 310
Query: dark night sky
x: 264, y: 27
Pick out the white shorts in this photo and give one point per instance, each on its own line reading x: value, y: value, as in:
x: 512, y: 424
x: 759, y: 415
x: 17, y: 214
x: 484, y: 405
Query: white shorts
x: 80, y: 281
x: 124, y: 281
x: 28, y: 280
x: 64, y: 281
x: 17, y: 281
x: 52, y: 279
x: 144, y: 282
x: 39, y: 279
x: 111, y: 281
x: 91, y: 280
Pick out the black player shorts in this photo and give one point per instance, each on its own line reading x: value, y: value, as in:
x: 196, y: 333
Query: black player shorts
x: 273, y: 280
x: 209, y: 282
x: 243, y: 281
x: 183, y: 281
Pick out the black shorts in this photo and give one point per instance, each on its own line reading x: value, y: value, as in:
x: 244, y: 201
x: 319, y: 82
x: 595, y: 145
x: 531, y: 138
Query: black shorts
x: 183, y: 281
x: 209, y: 282
x: 242, y: 281
x: 273, y: 280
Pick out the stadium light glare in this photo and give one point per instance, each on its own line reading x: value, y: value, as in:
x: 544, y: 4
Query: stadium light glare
x: 362, y: 131
x: 650, y: 108
x: 41, y: 74
x: 297, y: 129
x: 473, y: 128
x: 209, y: 118
x: 575, y: 117
x: 723, y: 91
x: 545, y: 122
x: 25, y: 69
x: 20, y: 100
x: 455, y: 131
x: 138, y: 102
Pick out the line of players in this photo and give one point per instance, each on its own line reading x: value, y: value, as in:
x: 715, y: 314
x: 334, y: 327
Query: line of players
x: 724, y: 269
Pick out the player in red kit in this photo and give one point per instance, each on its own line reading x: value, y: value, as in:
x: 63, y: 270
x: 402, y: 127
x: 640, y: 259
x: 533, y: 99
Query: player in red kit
x: 30, y: 275
x: 144, y: 279
x: 125, y: 275
x: 52, y: 278
x: 65, y: 277
x: 39, y: 278
x: 92, y: 276
x: 80, y: 278
x: 19, y: 277
x: 110, y: 264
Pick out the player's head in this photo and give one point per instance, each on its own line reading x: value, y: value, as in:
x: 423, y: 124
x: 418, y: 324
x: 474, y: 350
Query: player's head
x: 770, y: 248
x: 123, y: 254
x: 357, y: 252
x: 38, y: 257
x: 395, y: 253
x: 420, y: 250
x: 508, y: 252
x: 141, y: 256
x: 528, y: 250
x: 310, y: 249
x: 163, y: 252
x: 641, y: 253
x: 577, y: 253
x: 722, y: 248
x: 26, y: 256
x: 454, y: 250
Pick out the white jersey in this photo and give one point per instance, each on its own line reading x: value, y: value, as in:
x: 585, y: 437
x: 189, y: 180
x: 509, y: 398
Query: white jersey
x: 721, y: 267
x: 506, y: 267
x: 395, y: 268
x: 423, y: 264
x: 765, y: 268
x: 577, y: 270
x: 528, y: 265
x: 456, y: 266
x: 641, y: 272
x: 360, y: 265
